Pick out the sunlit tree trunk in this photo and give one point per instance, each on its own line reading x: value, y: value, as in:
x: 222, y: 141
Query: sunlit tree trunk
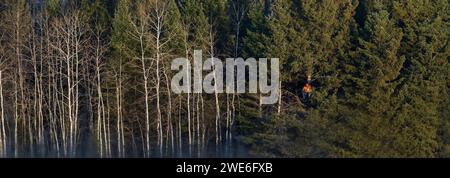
x: 3, y: 137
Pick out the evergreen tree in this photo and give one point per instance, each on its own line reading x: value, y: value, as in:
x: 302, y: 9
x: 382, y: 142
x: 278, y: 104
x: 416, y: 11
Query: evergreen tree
x: 370, y: 122
x: 310, y: 38
x: 257, y: 36
x: 426, y: 72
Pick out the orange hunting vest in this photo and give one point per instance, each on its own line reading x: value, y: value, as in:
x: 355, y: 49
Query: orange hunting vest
x: 307, y: 88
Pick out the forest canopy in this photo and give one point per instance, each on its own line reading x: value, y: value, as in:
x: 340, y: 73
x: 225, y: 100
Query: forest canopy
x: 91, y: 78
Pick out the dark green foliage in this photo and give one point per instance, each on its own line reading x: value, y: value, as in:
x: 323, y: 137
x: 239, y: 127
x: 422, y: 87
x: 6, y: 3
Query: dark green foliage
x: 381, y: 88
x: 380, y: 71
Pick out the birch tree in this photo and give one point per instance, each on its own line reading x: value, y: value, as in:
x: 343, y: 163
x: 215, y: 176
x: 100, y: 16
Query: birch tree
x: 3, y: 136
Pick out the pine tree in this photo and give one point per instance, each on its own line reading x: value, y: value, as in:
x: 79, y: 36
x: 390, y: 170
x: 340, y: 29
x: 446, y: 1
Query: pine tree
x: 425, y: 89
x: 370, y: 121
x: 310, y: 38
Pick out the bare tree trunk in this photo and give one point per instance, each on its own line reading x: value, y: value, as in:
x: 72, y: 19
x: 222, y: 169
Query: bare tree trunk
x: 188, y: 100
x: 279, y: 100
x: 160, y: 15
x: 239, y: 14
x: 180, y: 140
x: 108, y: 128
x: 141, y: 32
x: 169, y: 114
x: 228, y: 120
x: 100, y: 104
x: 36, y: 81
x: 146, y: 93
x: 3, y: 138
x: 158, y: 102
x: 16, y: 120
x: 216, y: 94
x: 41, y: 98
x: 203, y: 123
x: 18, y: 51
x: 120, y: 134
x: 198, y: 124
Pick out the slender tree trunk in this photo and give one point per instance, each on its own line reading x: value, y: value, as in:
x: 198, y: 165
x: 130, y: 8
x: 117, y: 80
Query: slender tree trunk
x: 16, y: 120
x: 198, y: 124
x: 146, y: 93
x: 279, y: 100
x: 100, y: 106
x: 188, y: 100
x: 159, y: 28
x: 3, y: 138
x: 169, y: 113
x: 203, y: 123
x: 18, y: 52
x: 216, y: 94
x: 108, y: 127
x: 180, y: 140
x: 120, y: 134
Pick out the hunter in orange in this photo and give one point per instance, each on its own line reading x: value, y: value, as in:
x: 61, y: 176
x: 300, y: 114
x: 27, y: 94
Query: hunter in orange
x: 307, y: 88
x: 307, y: 91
